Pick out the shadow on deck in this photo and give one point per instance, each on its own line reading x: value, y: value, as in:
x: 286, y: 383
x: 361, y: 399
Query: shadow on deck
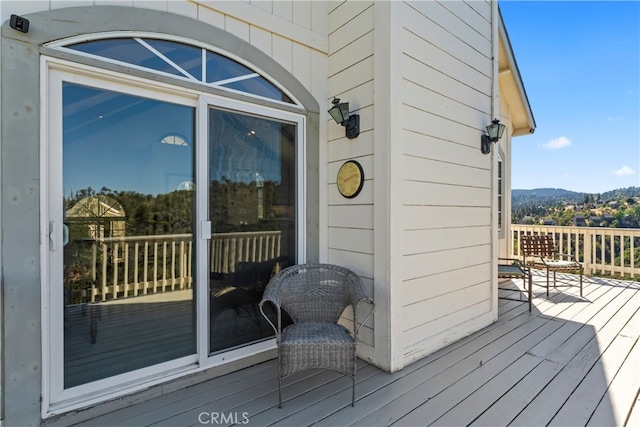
x: 572, y: 361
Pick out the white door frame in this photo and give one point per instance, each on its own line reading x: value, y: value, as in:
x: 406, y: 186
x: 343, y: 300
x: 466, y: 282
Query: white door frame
x: 55, y: 399
x: 202, y: 159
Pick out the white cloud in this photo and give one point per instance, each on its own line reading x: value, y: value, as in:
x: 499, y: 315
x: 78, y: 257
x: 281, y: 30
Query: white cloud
x: 623, y: 171
x: 557, y: 143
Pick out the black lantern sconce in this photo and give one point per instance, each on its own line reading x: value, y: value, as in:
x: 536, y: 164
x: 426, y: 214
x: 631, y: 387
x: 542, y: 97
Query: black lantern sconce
x: 494, y: 133
x: 340, y: 113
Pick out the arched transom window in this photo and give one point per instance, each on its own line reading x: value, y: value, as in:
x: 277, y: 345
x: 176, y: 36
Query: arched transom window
x: 183, y: 61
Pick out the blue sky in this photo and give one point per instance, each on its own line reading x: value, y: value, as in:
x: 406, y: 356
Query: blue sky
x: 580, y: 63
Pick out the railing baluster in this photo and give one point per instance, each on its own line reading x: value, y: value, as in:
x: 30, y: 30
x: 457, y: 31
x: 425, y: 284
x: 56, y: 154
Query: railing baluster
x: 136, y: 269
x: 164, y: 266
x: 233, y: 250
x: 189, y: 261
x: 240, y: 248
x: 273, y: 248
x: 94, y: 261
x: 115, y: 270
x: 146, y: 268
x: 175, y: 271
x: 590, y: 245
x: 253, y: 249
x: 225, y: 262
x: 213, y: 260
x: 612, y: 247
x: 155, y: 267
x: 183, y: 265
x: 105, y: 256
x: 125, y: 278
x: 632, y: 255
x: 173, y: 265
x: 621, y: 255
x: 587, y: 252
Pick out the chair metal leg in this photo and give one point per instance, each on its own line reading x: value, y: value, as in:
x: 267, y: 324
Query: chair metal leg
x: 353, y: 391
x: 279, y: 385
x: 547, y: 283
x: 581, y: 282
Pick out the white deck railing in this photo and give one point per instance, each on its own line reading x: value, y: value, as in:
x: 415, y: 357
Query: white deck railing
x: 610, y: 251
x: 124, y: 267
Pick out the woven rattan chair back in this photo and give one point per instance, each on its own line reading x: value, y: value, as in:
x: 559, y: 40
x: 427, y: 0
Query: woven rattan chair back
x: 316, y: 293
x: 314, y: 296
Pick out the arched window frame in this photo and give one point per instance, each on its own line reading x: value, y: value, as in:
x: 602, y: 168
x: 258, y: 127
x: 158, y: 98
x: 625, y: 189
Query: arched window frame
x: 63, y: 46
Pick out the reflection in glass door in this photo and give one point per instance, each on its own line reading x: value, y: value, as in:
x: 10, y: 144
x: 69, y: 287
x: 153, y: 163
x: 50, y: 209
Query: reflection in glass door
x: 128, y: 208
x: 252, y: 210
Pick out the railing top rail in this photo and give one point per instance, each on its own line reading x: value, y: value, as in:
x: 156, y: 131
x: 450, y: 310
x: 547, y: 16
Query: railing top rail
x: 635, y: 232
x: 133, y: 238
x: 178, y: 237
x: 247, y: 233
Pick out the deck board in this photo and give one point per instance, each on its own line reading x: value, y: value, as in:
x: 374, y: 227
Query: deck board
x: 577, y: 358
x: 334, y: 394
x: 634, y: 417
x: 624, y: 388
x: 412, y: 390
x: 572, y: 361
x: 475, y: 404
x: 511, y: 403
x: 448, y: 394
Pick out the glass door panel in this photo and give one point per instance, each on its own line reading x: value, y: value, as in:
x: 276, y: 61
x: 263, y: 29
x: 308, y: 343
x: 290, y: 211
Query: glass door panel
x: 128, y: 206
x: 252, y: 210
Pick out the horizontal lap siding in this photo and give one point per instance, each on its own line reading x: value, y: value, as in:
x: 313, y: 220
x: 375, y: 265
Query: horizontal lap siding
x: 350, y: 77
x: 284, y: 30
x: 447, y: 182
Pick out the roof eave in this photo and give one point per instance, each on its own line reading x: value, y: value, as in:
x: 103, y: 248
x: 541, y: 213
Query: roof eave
x: 515, y: 78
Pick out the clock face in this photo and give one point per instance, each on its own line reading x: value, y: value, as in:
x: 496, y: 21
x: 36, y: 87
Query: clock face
x: 350, y: 179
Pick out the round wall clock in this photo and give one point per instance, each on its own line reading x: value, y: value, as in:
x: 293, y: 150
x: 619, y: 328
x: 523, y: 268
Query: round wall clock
x: 350, y: 179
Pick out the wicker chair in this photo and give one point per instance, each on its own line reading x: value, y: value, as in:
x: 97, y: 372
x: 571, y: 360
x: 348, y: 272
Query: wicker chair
x: 314, y: 296
x: 539, y: 252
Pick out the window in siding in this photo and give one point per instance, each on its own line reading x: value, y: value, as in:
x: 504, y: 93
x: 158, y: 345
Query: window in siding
x: 500, y: 195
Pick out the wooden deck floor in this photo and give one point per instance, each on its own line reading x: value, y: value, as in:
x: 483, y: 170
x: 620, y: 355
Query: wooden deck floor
x: 571, y: 362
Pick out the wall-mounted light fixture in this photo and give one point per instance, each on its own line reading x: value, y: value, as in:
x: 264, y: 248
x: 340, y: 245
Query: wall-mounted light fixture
x: 494, y: 133
x: 340, y: 113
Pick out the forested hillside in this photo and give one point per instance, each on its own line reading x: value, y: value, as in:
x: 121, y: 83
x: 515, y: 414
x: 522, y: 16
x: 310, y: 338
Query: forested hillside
x: 616, y: 208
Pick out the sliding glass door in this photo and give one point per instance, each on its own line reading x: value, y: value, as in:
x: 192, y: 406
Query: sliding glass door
x: 252, y: 209
x: 127, y: 218
x: 167, y: 216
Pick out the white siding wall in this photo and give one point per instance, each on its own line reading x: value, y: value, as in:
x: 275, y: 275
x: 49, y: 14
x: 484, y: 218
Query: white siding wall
x: 426, y: 241
x: 350, y: 74
x: 282, y: 29
x: 292, y: 32
x: 447, y: 182
x: 430, y: 222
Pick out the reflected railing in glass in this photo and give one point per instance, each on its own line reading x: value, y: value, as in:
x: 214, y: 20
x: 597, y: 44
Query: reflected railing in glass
x: 125, y: 267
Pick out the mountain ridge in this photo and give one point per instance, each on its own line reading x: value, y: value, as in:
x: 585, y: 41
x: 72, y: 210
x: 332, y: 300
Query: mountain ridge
x: 548, y: 192
x: 553, y: 196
